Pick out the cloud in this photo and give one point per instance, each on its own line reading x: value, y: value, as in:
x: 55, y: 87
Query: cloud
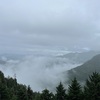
x: 39, y: 72
x: 60, y: 23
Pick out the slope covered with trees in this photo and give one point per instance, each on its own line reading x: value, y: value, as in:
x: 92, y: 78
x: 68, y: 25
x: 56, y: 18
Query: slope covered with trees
x: 86, y: 69
x: 11, y: 90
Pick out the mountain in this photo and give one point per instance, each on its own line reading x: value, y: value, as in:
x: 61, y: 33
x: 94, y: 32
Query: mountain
x: 81, y: 57
x: 82, y: 72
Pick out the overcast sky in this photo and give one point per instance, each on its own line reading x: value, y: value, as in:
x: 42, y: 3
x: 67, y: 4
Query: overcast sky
x: 28, y: 25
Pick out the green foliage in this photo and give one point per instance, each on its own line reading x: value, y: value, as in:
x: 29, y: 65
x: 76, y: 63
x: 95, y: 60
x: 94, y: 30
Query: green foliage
x: 92, y: 87
x: 11, y: 90
x: 4, y: 92
x: 61, y: 92
x: 22, y: 92
x: 30, y: 93
x: 74, y: 91
x: 2, y: 79
x: 37, y: 96
x: 46, y: 95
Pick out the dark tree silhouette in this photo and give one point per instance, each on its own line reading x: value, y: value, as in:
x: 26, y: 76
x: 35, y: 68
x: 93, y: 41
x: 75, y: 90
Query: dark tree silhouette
x: 74, y: 91
x: 92, y: 87
x: 60, y: 92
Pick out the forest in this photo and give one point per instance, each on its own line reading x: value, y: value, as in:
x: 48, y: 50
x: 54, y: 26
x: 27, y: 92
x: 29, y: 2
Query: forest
x: 10, y: 89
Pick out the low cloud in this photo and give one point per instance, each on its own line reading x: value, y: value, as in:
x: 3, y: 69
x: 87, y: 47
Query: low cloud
x: 39, y: 72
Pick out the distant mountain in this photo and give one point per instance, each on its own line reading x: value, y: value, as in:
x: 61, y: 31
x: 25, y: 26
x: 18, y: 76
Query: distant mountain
x: 80, y: 57
x: 82, y: 72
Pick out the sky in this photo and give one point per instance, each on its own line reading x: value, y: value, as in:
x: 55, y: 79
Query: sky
x: 35, y: 25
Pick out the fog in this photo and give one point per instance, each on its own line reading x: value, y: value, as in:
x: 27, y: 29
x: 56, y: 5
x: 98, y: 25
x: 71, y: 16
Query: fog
x: 39, y: 72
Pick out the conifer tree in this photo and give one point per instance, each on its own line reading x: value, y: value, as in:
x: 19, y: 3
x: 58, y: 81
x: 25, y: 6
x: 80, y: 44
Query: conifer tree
x: 74, y: 91
x: 4, y: 95
x: 60, y: 92
x: 22, y: 92
x: 29, y: 93
x: 92, y: 87
x: 46, y: 95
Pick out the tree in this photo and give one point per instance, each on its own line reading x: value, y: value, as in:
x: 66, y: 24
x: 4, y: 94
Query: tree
x: 29, y: 93
x: 92, y: 87
x: 74, y: 91
x: 4, y: 92
x: 22, y: 92
x: 46, y: 95
x: 37, y: 96
x: 60, y: 92
x: 3, y: 88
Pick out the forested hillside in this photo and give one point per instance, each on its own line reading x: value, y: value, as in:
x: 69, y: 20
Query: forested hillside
x: 86, y: 69
x: 11, y: 90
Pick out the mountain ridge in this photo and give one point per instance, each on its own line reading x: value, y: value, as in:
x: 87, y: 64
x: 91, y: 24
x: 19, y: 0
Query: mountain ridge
x: 81, y: 57
x: 86, y: 69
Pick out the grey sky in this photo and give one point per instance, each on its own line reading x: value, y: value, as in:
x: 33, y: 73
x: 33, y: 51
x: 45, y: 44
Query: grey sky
x: 48, y: 24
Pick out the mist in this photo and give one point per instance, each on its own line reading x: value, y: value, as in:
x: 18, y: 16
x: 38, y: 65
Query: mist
x: 39, y: 72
